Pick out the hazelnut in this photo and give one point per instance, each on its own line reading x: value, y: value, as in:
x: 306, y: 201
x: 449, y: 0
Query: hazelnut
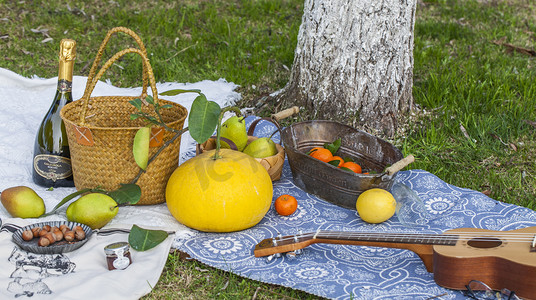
x: 43, y: 242
x: 69, y: 236
x: 64, y: 228
x: 27, y: 235
x: 80, y: 234
x: 42, y: 232
x: 46, y: 227
x: 51, y: 237
x: 58, y: 235
x: 54, y: 228
x: 77, y: 227
x: 35, y: 231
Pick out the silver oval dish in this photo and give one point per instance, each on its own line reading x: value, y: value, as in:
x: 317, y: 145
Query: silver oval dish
x: 328, y: 182
x: 56, y: 248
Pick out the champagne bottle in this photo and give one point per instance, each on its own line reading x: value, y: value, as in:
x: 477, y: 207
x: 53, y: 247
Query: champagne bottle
x: 51, y: 162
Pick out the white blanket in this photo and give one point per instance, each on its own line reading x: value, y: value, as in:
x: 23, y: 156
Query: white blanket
x: 23, y: 104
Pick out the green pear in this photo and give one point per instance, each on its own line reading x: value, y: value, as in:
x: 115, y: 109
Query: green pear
x: 234, y: 129
x: 140, y: 148
x: 260, y: 148
x: 22, y: 202
x: 94, y: 209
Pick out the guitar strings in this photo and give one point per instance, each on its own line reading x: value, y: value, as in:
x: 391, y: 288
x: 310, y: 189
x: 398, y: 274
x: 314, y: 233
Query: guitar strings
x: 481, y: 236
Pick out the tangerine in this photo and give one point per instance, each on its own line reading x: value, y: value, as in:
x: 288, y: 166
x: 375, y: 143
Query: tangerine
x: 286, y: 205
x: 335, y: 158
x: 322, y: 154
x: 352, y: 166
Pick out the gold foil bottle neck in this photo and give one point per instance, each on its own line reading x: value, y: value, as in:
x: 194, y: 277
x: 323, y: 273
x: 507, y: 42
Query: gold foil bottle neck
x: 67, y: 50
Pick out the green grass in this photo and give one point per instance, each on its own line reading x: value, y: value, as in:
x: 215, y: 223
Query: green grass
x: 462, y: 79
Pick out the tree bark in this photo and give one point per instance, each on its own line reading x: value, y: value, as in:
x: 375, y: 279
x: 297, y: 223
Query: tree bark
x: 354, y: 62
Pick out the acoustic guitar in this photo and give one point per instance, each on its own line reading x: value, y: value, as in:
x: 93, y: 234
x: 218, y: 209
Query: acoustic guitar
x: 501, y: 259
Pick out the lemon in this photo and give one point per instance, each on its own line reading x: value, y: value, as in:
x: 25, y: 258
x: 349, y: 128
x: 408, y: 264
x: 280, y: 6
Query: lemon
x: 227, y: 194
x: 375, y: 205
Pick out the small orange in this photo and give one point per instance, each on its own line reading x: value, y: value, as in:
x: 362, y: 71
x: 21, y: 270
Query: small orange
x: 285, y: 205
x: 322, y: 154
x: 352, y: 166
x: 341, y: 161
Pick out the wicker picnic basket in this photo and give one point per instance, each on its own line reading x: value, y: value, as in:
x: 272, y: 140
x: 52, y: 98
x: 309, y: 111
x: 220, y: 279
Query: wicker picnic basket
x: 101, y: 133
x: 273, y: 164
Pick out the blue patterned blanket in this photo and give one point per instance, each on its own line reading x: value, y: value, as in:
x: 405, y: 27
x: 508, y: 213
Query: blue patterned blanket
x: 354, y: 272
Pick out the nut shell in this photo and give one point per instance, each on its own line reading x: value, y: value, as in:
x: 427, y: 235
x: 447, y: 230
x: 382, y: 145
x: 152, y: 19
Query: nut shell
x: 58, y: 235
x: 64, y: 228
x: 69, y: 236
x: 80, y: 234
x: 51, y: 237
x: 36, y: 231
x: 27, y: 235
x: 43, y: 242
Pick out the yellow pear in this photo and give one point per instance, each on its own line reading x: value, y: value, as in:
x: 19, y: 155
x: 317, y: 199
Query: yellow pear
x: 261, y: 148
x: 94, y: 209
x: 22, y: 202
x: 234, y: 129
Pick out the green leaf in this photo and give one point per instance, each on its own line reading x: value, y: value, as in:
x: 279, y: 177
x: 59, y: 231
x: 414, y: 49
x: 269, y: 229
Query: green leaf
x: 134, y: 116
x: 346, y: 169
x: 65, y: 200
x: 311, y: 151
x: 333, y: 147
x: 203, y: 118
x: 136, y: 102
x: 140, y: 148
x: 179, y: 91
x: 149, y: 99
x: 334, y: 162
x: 126, y: 194
x: 347, y: 159
x: 141, y: 239
x: 166, y: 106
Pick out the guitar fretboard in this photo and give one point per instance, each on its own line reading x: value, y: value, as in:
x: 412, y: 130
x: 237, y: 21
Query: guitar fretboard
x: 404, y: 238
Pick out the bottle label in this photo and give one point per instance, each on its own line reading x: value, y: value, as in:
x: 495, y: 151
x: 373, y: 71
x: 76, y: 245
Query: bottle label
x: 64, y: 85
x: 52, y: 167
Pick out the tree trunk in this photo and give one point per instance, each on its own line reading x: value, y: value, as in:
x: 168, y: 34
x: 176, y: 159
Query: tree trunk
x: 354, y: 62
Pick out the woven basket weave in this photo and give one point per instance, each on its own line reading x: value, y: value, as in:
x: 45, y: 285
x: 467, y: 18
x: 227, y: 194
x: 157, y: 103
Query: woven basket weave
x: 101, y: 133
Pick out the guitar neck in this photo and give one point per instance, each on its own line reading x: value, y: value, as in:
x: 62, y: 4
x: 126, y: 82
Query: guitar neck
x: 411, y: 241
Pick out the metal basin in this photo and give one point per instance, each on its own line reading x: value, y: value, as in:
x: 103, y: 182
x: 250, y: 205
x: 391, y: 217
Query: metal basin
x: 328, y: 182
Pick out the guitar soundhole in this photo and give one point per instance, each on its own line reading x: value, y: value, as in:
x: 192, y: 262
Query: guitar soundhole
x: 487, y: 242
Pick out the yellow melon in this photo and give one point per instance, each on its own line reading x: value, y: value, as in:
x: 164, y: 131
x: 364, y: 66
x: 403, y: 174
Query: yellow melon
x: 227, y: 194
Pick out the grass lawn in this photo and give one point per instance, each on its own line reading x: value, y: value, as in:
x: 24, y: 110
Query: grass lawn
x: 473, y: 84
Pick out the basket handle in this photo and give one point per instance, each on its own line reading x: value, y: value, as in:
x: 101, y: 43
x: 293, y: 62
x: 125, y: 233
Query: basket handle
x: 148, y: 71
x: 251, y: 128
x: 97, y: 60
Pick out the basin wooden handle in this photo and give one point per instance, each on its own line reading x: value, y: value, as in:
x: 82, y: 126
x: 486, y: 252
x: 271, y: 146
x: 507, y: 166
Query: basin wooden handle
x: 399, y: 165
x: 285, y: 113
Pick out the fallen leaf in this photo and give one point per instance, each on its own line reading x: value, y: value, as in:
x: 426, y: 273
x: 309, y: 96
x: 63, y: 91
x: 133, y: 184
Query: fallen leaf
x: 511, y: 47
x: 532, y: 123
x: 486, y: 192
x: 201, y: 270
x: 47, y: 40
